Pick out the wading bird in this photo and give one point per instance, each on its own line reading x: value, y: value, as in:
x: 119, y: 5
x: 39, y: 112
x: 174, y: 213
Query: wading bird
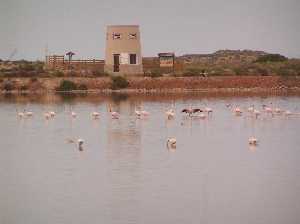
x: 238, y: 111
x: 170, y: 114
x: 52, y: 113
x: 73, y: 114
x: 208, y: 110
x: 95, y: 115
x: 191, y: 111
x: 114, y: 114
x: 20, y: 114
x: 171, y: 143
x: 79, y: 143
x: 253, y: 141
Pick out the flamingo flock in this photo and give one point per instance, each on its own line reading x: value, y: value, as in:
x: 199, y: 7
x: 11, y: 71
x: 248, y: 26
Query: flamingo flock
x: 170, y: 114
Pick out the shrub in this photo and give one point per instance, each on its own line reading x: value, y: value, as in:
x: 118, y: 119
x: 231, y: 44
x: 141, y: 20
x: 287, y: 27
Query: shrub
x: 23, y: 88
x: 33, y: 79
x: 119, y: 82
x: 66, y: 85
x: 153, y: 73
x: 58, y: 73
x: 98, y: 73
x: 271, y: 58
x: 82, y: 87
x: 194, y: 72
x: 8, y: 86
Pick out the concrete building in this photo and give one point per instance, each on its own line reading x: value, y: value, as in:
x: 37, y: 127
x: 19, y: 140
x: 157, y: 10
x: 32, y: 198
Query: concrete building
x: 123, y: 50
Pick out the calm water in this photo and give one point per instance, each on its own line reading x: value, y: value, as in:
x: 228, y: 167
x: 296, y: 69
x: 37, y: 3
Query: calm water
x: 125, y: 174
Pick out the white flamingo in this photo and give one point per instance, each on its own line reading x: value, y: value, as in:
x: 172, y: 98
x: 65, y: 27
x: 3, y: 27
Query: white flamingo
x: 267, y: 109
x: 238, y: 111
x: 79, y: 142
x: 47, y: 115
x: 52, y: 113
x: 73, y: 114
x: 114, y: 114
x: 170, y: 114
x: 256, y: 113
x: 21, y: 114
x: 208, y: 110
x: 251, y: 109
x: 288, y: 113
x: 95, y: 115
x: 140, y: 113
x: 278, y: 110
x: 253, y: 141
x: 171, y: 142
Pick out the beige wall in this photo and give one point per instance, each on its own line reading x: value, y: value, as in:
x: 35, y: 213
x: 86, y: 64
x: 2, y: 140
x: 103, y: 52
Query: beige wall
x: 123, y: 45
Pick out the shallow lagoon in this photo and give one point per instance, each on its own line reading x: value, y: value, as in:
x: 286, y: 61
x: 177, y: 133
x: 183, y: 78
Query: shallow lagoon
x: 126, y: 174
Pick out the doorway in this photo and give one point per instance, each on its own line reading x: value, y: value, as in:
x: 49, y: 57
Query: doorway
x: 116, y: 62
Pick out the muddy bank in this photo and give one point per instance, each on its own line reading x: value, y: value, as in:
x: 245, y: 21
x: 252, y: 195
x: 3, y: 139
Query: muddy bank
x: 163, y: 84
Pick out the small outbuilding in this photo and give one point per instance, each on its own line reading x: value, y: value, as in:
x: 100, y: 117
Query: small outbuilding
x: 166, y: 60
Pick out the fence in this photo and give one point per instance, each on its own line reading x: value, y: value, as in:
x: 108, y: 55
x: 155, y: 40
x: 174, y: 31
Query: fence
x: 58, y: 62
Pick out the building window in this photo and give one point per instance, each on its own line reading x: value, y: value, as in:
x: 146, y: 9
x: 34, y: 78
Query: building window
x: 132, y: 59
x: 116, y: 36
x: 132, y: 36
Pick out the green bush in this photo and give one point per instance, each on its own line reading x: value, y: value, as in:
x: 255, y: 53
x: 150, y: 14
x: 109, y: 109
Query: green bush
x: 66, y: 85
x: 119, y: 82
x: 8, y: 86
x: 23, y: 88
x: 82, y: 87
x: 98, y: 73
x: 33, y: 79
x: 194, y: 72
x: 58, y: 73
x: 154, y: 73
x: 271, y: 58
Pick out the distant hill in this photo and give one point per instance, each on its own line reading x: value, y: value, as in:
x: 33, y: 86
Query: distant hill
x: 224, y: 56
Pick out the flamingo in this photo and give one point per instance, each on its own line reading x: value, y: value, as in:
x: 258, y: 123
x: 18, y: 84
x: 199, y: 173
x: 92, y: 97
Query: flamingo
x: 267, y: 109
x: 95, y: 115
x: 170, y: 114
x: 28, y: 113
x: 288, y: 113
x: 208, y: 110
x: 191, y: 111
x: 278, y: 110
x: 21, y: 114
x: 114, y: 114
x: 52, y: 113
x: 256, y: 113
x: 251, y: 109
x: 141, y: 113
x: 79, y: 143
x: 47, y: 115
x: 145, y: 113
x: 171, y: 142
x: 253, y: 141
x: 238, y: 111
x: 73, y: 114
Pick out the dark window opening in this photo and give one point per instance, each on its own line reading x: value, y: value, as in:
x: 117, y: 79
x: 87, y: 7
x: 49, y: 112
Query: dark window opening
x: 116, y: 36
x: 132, y: 36
x: 132, y: 59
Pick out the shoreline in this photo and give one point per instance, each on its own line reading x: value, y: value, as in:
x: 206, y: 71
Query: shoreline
x: 161, y: 85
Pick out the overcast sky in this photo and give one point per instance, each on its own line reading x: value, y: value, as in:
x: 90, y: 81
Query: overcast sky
x: 180, y: 26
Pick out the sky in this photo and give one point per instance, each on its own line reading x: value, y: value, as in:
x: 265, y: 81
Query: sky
x: 29, y: 27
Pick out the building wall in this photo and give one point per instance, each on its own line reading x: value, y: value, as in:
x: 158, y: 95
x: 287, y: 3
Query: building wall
x: 125, y: 45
